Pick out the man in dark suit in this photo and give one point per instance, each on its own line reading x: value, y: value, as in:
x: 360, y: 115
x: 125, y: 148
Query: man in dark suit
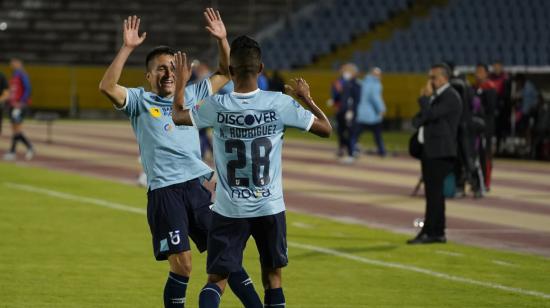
x: 437, y: 124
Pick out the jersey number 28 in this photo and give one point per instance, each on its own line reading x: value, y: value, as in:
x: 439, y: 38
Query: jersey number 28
x: 260, y: 149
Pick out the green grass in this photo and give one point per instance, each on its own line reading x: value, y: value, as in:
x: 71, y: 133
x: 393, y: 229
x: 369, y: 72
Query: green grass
x: 394, y: 141
x: 68, y: 253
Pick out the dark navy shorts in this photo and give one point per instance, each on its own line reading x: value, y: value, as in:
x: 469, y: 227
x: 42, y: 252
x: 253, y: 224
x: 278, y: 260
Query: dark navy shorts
x: 228, y: 236
x: 17, y: 115
x: 176, y: 212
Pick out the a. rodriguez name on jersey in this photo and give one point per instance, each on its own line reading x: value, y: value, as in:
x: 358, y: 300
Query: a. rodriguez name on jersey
x: 249, y: 124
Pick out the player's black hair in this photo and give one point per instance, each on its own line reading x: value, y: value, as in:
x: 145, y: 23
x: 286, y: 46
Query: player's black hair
x: 246, y: 56
x: 157, y: 51
x: 484, y: 66
x: 445, y: 68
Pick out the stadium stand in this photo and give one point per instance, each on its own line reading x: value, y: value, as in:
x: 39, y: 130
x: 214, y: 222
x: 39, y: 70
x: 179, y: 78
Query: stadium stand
x: 318, y: 29
x: 88, y: 32
x: 515, y: 32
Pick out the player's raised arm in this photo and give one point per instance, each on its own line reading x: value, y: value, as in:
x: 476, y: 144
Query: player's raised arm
x: 109, y: 83
x: 321, y: 125
x: 215, y: 26
x: 180, y: 114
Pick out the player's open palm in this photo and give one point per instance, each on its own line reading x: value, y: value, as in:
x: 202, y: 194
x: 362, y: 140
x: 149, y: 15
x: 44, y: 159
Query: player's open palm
x: 132, y: 38
x: 182, y: 70
x: 214, y: 23
x: 300, y: 88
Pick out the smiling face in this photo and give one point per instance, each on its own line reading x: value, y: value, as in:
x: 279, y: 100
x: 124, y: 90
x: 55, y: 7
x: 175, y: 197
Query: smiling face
x: 161, y: 75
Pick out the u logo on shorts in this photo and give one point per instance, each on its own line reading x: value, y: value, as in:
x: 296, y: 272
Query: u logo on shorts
x: 174, y: 237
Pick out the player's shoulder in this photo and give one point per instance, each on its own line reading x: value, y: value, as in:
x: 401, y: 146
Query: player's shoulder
x: 282, y: 101
x: 137, y: 93
x: 276, y: 98
x: 218, y: 98
x: 217, y: 101
x: 139, y: 90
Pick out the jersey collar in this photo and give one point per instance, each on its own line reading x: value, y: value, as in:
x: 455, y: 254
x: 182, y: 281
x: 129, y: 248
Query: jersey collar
x: 242, y: 95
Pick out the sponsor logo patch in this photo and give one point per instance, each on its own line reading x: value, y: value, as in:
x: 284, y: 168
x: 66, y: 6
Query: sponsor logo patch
x: 155, y: 112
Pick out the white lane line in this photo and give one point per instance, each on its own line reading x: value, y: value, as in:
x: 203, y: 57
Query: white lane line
x: 66, y: 196
x: 449, y: 253
x: 328, y: 251
x: 302, y: 225
x: 504, y: 263
x: 410, y: 268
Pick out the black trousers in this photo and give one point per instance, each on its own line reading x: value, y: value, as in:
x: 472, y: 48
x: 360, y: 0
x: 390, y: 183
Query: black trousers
x: 344, y: 130
x: 434, y: 171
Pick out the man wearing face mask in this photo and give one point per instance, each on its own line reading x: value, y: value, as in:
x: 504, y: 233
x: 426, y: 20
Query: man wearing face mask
x: 345, y: 94
x: 437, y: 124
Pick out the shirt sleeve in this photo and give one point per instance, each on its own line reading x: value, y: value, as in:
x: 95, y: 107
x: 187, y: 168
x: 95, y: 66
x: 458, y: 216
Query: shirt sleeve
x: 204, y: 113
x: 294, y: 115
x: 27, y: 88
x: 202, y: 89
x: 130, y: 107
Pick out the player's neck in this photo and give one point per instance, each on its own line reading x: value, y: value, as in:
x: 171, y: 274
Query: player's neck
x: 245, y: 86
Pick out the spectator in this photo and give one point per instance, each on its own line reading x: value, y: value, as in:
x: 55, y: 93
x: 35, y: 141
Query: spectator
x: 525, y: 100
x: 4, y: 95
x: 437, y: 124
x: 345, y: 95
x: 541, y: 131
x: 466, y: 166
x: 499, y: 77
x: 371, y: 109
x: 19, y: 101
x: 486, y: 92
x: 503, y: 109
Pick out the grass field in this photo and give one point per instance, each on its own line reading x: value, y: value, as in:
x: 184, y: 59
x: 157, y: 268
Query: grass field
x: 73, y: 241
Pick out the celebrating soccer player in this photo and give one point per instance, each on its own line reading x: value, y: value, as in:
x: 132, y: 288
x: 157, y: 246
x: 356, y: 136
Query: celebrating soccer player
x: 248, y: 129
x: 177, y: 203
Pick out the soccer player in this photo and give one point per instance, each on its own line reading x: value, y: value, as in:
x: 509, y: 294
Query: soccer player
x: 248, y: 127
x: 4, y: 95
x: 18, y: 103
x: 177, y: 203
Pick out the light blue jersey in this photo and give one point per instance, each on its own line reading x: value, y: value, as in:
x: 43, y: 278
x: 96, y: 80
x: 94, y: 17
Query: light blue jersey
x: 170, y: 154
x: 248, y: 140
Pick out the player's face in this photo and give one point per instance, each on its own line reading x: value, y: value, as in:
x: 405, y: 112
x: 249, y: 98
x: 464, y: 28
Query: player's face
x: 161, y: 75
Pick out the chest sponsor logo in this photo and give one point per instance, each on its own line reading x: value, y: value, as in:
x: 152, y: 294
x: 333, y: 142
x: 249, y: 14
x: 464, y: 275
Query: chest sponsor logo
x: 155, y: 112
x: 252, y: 119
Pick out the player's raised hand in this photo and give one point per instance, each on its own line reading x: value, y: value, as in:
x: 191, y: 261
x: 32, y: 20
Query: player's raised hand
x: 299, y: 89
x: 214, y: 23
x: 132, y: 38
x: 182, y: 70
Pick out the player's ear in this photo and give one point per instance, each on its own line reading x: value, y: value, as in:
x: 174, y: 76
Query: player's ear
x: 261, y: 68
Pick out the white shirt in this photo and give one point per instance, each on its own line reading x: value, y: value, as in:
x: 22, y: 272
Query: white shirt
x: 432, y: 98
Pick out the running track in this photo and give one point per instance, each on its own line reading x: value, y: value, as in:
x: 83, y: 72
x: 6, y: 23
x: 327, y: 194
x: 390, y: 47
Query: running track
x: 373, y: 191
